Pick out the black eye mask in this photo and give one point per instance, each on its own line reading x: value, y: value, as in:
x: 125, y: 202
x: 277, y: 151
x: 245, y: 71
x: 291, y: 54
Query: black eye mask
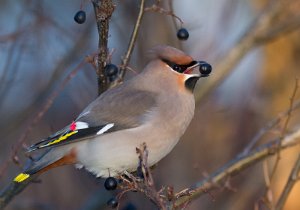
x: 177, y: 67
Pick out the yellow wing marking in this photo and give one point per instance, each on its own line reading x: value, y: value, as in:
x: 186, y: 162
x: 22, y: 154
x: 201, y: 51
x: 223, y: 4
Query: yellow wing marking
x: 21, y: 177
x: 64, y: 137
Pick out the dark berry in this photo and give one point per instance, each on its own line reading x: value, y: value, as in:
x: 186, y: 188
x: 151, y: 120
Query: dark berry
x: 129, y: 206
x: 111, y: 70
x: 80, y: 17
x: 182, y: 34
x: 205, y: 68
x: 110, y: 183
x: 112, y: 78
x: 112, y: 203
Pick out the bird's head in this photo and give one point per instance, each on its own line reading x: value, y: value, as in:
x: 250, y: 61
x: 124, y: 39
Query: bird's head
x: 181, y: 64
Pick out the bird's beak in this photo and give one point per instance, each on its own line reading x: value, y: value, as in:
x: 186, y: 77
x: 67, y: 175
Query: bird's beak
x: 190, y: 69
x: 204, y: 69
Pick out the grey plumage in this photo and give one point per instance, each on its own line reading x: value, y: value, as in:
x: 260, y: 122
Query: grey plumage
x: 120, y: 105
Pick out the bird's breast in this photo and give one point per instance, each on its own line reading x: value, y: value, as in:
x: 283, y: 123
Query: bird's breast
x: 170, y: 120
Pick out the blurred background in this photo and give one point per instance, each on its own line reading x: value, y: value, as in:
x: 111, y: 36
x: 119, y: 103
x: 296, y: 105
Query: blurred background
x: 40, y: 44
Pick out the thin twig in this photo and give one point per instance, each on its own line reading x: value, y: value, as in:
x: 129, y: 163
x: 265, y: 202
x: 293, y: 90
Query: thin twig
x: 285, y: 126
x: 293, y: 178
x: 126, y: 59
x: 144, y: 181
x: 278, y: 155
x: 289, y: 113
x: 268, y: 198
x: 269, y: 126
x: 171, y: 8
x: 159, y: 9
x: 266, y: 173
x: 148, y: 188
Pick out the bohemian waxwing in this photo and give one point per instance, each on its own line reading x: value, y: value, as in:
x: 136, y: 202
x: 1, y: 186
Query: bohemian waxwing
x: 154, y: 107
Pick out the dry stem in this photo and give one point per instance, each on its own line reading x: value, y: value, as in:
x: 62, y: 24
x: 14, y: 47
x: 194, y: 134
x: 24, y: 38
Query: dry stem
x: 282, y: 135
x: 103, y: 12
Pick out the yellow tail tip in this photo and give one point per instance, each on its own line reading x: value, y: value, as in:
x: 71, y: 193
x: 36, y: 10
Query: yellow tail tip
x: 21, y: 177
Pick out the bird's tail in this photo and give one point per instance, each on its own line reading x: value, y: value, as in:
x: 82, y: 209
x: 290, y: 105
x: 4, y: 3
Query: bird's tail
x: 39, y: 165
x: 44, y: 162
x: 49, y: 159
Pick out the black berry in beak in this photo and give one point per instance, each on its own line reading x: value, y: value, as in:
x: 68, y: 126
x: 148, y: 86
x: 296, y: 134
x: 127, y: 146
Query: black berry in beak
x: 204, y: 68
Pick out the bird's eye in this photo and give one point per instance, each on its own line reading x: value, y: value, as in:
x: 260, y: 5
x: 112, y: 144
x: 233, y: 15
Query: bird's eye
x: 177, y: 68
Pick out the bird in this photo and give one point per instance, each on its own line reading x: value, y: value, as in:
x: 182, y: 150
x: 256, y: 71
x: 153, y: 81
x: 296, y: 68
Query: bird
x: 154, y: 107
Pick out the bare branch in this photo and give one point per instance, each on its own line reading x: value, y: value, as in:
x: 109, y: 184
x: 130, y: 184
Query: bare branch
x: 132, y: 41
x: 289, y: 113
x: 103, y: 12
x: 157, y: 8
x: 285, y: 126
x: 269, y: 126
x: 149, y: 188
x: 267, y: 197
x: 279, y: 30
x: 143, y: 182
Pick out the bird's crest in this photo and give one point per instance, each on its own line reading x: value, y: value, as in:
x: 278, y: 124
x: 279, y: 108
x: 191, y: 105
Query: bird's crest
x: 165, y: 52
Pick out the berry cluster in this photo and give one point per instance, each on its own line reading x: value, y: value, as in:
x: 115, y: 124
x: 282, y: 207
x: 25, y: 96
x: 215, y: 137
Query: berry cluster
x: 112, y: 203
x: 111, y: 184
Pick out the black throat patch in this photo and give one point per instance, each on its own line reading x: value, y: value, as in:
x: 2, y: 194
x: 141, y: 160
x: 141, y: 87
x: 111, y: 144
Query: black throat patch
x: 190, y: 83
